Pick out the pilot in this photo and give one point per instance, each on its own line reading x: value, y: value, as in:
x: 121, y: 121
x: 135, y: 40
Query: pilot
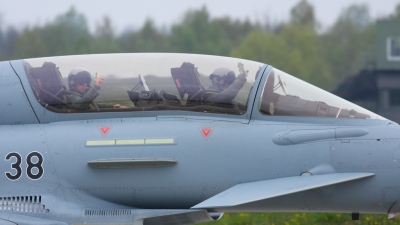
x: 81, y: 94
x: 225, y: 87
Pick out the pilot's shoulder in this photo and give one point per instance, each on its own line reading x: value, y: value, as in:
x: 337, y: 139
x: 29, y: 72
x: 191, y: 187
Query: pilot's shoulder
x: 72, y: 94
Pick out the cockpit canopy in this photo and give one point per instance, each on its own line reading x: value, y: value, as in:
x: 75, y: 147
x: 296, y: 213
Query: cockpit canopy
x: 143, y: 82
x: 180, y: 82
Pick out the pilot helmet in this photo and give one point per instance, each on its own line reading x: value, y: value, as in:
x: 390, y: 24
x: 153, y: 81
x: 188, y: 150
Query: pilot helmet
x: 222, y: 76
x: 79, y: 75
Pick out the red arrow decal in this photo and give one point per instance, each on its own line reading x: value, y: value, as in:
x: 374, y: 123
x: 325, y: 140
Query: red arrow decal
x: 206, y: 132
x: 104, y: 130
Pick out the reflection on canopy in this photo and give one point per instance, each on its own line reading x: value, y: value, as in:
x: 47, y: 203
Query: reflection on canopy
x: 285, y: 95
x: 143, y: 82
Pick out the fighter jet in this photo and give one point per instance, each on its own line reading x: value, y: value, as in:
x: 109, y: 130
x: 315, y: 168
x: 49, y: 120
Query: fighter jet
x: 181, y: 139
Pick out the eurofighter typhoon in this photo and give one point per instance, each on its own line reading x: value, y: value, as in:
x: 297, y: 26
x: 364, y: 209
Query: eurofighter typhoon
x: 180, y: 139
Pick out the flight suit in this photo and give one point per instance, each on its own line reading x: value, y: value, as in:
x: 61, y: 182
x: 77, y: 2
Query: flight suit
x: 224, y: 98
x: 85, y: 101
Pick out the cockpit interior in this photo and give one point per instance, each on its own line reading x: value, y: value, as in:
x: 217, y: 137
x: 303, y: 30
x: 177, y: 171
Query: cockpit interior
x: 180, y: 82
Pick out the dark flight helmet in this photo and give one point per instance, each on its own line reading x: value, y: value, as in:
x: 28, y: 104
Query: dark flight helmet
x: 222, y: 76
x: 79, y: 75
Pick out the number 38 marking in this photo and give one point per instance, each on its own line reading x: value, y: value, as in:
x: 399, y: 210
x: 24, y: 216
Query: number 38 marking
x: 30, y: 162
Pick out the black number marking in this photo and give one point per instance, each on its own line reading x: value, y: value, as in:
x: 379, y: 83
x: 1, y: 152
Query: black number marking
x: 32, y: 165
x: 16, y: 166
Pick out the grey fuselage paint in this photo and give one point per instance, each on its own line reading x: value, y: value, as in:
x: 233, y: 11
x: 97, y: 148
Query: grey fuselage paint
x: 238, y: 150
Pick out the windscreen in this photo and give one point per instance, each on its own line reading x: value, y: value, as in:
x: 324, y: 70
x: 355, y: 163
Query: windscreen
x: 142, y: 82
x: 285, y: 95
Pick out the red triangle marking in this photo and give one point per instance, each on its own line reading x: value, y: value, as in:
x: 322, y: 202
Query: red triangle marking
x: 104, y: 130
x: 206, y: 132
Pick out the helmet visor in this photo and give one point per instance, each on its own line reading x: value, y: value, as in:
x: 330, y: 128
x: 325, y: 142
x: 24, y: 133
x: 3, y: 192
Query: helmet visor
x: 82, y: 78
x: 82, y: 81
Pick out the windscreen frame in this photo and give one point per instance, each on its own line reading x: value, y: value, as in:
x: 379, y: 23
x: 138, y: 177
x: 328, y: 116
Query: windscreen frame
x: 258, y: 117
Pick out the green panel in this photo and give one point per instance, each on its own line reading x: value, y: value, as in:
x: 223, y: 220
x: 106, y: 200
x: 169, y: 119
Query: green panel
x: 386, y: 29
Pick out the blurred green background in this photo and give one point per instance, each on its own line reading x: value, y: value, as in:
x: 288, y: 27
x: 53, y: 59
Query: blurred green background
x: 300, y: 219
x: 298, y: 47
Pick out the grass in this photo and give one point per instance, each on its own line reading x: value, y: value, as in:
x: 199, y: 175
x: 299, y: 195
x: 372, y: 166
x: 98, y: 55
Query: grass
x: 301, y: 219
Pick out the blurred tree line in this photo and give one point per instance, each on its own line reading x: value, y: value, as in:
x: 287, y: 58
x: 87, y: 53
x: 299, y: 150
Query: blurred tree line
x: 298, y: 46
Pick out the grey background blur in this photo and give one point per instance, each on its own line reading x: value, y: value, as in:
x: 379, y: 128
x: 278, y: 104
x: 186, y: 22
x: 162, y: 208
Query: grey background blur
x: 132, y: 14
